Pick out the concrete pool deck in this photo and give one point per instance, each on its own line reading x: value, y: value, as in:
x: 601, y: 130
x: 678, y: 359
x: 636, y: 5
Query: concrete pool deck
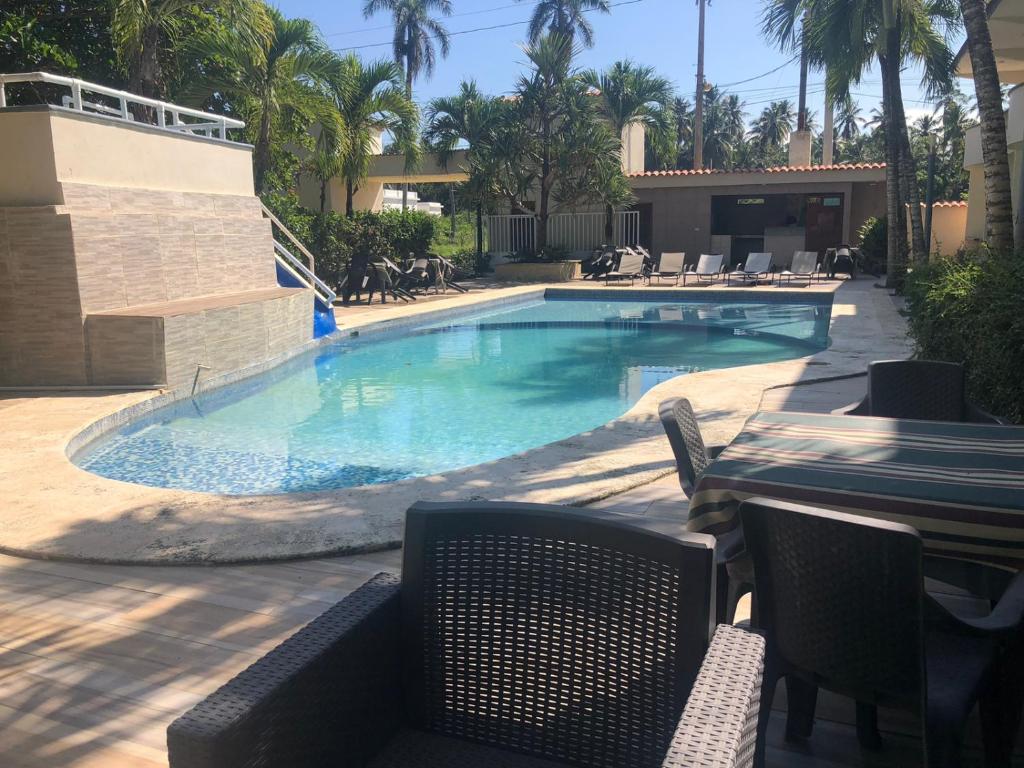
x: 54, y: 510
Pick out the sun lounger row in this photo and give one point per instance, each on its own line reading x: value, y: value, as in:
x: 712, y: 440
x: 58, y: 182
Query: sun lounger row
x: 636, y: 263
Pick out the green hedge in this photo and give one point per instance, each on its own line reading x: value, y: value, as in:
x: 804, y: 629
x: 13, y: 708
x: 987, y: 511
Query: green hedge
x: 333, y: 237
x: 970, y: 309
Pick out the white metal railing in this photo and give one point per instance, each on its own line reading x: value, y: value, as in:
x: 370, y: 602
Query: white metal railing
x: 291, y: 238
x: 169, y: 117
x: 303, y: 273
x: 517, y: 233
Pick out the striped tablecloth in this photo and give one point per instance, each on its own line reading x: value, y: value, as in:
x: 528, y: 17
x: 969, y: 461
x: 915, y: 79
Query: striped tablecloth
x: 960, y: 485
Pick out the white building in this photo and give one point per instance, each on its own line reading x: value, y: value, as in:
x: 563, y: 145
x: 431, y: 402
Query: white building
x: 393, y: 202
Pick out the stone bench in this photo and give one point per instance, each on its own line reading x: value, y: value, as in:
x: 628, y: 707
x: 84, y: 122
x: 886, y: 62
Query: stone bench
x: 167, y: 343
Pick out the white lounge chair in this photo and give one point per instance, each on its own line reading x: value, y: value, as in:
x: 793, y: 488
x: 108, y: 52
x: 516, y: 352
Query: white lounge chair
x: 631, y: 266
x: 757, y: 267
x: 670, y: 265
x: 709, y: 268
x: 805, y: 266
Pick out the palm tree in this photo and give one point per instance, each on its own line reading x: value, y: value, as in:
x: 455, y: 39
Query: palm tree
x: 566, y: 18
x: 633, y: 95
x: 413, y: 45
x: 999, y: 228
x: 282, y: 73
x: 370, y: 99
x: 468, y: 117
x: 141, y: 30
x: 846, y: 37
x: 774, y: 125
x: 847, y: 120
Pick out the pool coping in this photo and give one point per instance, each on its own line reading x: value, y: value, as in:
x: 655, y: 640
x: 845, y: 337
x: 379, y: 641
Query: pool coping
x: 59, y: 511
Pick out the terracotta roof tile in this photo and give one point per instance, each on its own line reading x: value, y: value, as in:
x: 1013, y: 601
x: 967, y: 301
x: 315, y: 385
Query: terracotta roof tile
x: 776, y: 169
x: 949, y: 204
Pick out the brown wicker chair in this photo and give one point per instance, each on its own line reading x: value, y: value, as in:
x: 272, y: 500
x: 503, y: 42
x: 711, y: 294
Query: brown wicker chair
x: 918, y: 389
x: 519, y: 635
x: 864, y: 627
x: 734, y: 576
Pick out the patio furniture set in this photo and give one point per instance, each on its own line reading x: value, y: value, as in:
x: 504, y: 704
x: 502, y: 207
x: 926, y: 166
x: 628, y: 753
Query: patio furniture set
x: 636, y: 263
x: 539, y: 636
x: 418, y: 275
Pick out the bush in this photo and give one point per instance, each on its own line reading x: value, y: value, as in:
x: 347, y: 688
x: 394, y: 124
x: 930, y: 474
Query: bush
x: 873, y: 234
x: 333, y: 237
x: 967, y: 309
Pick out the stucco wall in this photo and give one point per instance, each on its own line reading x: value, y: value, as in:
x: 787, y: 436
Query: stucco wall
x: 47, y: 146
x: 681, y: 216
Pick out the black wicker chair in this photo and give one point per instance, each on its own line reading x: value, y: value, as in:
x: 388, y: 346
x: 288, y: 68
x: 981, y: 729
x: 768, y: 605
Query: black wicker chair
x: 842, y: 602
x: 519, y: 635
x: 918, y: 389
x: 734, y: 572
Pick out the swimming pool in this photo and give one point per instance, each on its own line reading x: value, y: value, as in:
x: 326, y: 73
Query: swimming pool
x: 445, y: 394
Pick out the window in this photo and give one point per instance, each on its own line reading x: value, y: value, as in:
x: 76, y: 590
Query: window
x: 750, y: 201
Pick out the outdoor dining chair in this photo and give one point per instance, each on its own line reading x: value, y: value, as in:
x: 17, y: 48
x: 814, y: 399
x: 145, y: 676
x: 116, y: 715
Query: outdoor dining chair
x: 928, y: 390
x: 669, y: 266
x: 756, y: 268
x: 707, y: 270
x: 733, y: 573
x: 841, y: 599
x: 519, y: 635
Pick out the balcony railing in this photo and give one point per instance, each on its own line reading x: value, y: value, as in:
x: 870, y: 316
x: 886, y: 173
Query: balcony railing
x: 113, y: 104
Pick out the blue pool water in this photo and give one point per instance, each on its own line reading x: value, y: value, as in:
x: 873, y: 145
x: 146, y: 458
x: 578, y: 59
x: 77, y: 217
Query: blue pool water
x: 445, y: 395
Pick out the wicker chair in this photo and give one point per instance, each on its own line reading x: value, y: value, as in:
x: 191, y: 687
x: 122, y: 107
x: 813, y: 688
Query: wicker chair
x: 519, y: 635
x: 734, y: 573
x: 918, y: 389
x: 864, y: 627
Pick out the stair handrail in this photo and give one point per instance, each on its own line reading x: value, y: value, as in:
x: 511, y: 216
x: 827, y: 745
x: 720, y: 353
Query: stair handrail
x: 292, y: 238
x: 295, y: 264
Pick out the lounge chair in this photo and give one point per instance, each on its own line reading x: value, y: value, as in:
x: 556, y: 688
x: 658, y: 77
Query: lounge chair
x: 805, y: 266
x: 451, y: 274
x: 631, y: 266
x: 400, y: 285
x: 756, y: 268
x: 418, y: 274
x: 842, y: 600
x: 709, y: 269
x: 670, y: 265
x: 519, y: 635
x: 600, y: 263
x: 928, y: 390
x: 734, y: 578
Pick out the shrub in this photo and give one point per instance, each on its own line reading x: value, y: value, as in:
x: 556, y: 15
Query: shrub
x: 333, y: 237
x: 873, y: 246
x: 967, y: 309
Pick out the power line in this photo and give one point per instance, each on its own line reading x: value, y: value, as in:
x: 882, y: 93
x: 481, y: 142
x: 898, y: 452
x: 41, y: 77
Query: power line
x: 452, y: 16
x: 475, y: 29
x: 763, y: 74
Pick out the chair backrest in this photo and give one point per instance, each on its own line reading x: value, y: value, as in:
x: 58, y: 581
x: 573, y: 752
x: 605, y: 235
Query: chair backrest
x: 916, y: 389
x: 552, y: 631
x: 631, y: 263
x: 421, y: 264
x: 840, y: 597
x: 804, y: 262
x: 709, y: 264
x: 758, y: 262
x: 671, y: 261
x: 683, y: 431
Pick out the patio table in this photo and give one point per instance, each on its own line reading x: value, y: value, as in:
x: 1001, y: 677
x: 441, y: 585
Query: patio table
x: 961, y: 485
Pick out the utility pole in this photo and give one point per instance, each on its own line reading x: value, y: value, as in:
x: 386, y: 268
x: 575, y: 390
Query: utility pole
x: 698, y: 105
x: 828, y: 132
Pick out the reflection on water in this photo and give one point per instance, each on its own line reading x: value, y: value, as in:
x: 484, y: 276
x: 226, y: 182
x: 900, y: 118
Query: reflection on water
x: 451, y: 395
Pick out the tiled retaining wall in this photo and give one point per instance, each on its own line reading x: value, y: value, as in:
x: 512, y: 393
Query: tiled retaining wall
x: 107, y: 248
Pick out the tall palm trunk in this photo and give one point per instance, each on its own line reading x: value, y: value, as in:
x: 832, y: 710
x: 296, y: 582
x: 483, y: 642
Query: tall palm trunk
x: 698, y: 104
x: 350, y: 193
x: 479, y: 229
x: 999, y: 229
x: 261, y: 152
x: 908, y: 175
x: 896, y: 232
x: 408, y: 95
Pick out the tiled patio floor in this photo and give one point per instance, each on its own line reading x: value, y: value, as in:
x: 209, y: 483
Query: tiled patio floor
x: 95, y: 661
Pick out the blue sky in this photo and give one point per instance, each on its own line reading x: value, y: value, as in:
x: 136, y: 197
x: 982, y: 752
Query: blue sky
x: 661, y: 33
